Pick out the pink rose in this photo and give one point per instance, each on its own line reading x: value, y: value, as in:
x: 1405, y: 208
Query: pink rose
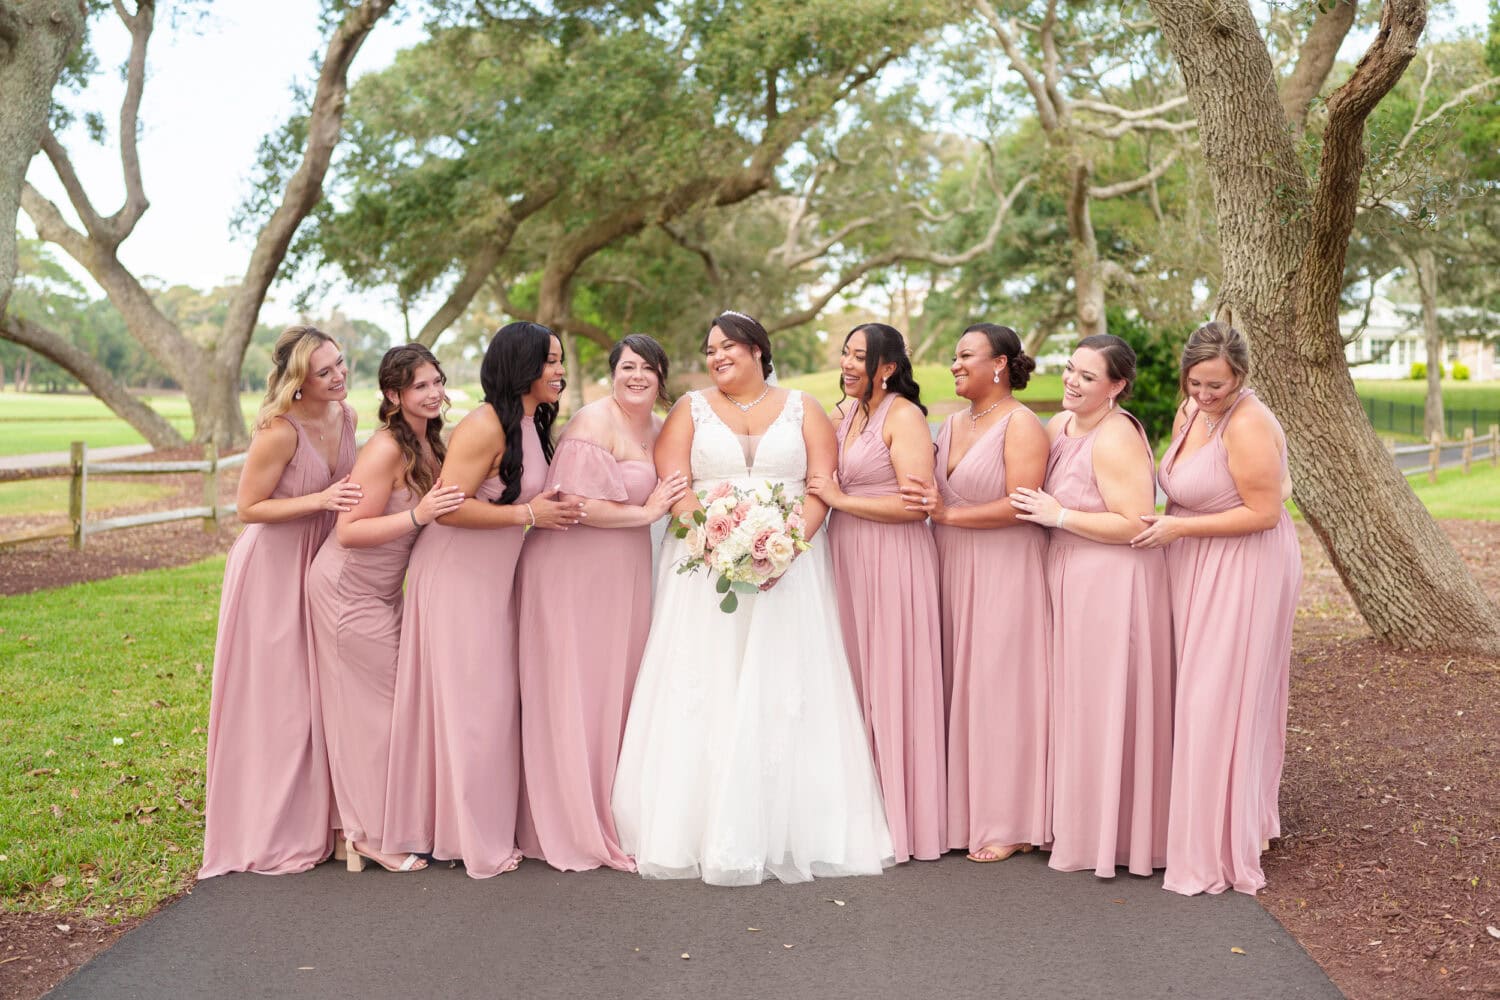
x: 741, y: 511
x: 719, y: 492
x: 716, y: 530
x: 794, y: 523
x: 762, y: 567
x: 758, y: 546
x: 797, y: 509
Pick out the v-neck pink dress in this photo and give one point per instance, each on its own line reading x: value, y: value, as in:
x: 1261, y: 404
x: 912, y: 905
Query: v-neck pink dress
x: 997, y: 638
x: 1233, y: 602
x: 1112, y: 683
x: 355, y: 598
x: 885, y: 576
x: 585, y: 608
x: 269, y: 798
x: 454, y: 783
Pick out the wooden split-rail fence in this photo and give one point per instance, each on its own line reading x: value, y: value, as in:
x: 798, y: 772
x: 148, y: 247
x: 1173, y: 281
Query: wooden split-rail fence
x: 1436, y: 447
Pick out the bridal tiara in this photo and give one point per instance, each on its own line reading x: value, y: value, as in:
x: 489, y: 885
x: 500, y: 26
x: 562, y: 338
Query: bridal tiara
x: 736, y: 312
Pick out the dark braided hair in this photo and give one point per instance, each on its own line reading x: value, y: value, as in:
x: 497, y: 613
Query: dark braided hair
x: 1006, y: 343
x: 885, y: 345
x: 514, y: 360
x: 398, y: 370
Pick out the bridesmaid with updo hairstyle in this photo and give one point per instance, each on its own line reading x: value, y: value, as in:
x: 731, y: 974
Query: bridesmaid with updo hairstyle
x: 354, y: 592
x: 269, y: 802
x: 578, y: 661
x: 1111, y: 624
x: 454, y: 783
x: 885, y: 576
x: 1235, y: 571
x: 995, y: 620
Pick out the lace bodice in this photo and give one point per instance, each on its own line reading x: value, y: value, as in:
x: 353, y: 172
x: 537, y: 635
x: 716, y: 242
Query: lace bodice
x: 720, y: 455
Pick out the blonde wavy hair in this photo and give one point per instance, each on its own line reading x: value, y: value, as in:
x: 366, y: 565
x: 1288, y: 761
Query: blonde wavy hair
x: 290, y: 360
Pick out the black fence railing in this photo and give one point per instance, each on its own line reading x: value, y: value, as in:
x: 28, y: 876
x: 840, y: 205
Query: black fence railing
x: 1406, y: 418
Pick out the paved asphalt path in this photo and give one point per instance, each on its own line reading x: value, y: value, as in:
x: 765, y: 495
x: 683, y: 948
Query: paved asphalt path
x: 923, y: 930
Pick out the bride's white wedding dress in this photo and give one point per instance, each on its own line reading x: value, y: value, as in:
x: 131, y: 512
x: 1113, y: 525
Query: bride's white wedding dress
x: 745, y: 753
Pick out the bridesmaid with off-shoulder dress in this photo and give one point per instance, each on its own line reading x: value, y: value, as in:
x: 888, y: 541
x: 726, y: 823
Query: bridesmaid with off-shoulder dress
x: 1235, y: 571
x: 584, y: 608
x: 885, y: 578
x: 996, y: 621
x: 454, y: 785
x: 1111, y: 625
x: 354, y: 592
x: 269, y: 802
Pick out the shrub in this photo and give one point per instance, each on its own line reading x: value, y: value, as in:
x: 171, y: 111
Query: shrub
x: 1460, y: 371
x: 1157, y: 355
x: 1419, y: 371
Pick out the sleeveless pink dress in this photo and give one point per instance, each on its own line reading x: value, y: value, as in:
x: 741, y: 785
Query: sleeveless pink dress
x: 354, y: 595
x: 585, y: 607
x: 455, y: 770
x: 1233, y: 602
x: 269, y: 800
x: 997, y: 637
x: 885, y: 576
x: 1112, y: 684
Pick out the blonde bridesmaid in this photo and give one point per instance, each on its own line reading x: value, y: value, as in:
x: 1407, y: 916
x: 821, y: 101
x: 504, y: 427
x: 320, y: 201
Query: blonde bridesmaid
x: 885, y: 576
x: 454, y: 784
x: 269, y: 800
x: 1111, y: 624
x: 995, y: 618
x: 578, y: 657
x: 354, y: 592
x: 1235, y: 571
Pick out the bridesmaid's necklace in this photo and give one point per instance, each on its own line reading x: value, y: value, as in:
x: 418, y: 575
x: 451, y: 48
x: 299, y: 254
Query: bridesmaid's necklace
x: 642, y: 442
x: 974, y: 417
x: 746, y: 407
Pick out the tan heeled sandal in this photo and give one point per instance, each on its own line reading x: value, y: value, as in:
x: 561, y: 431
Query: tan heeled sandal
x: 1000, y: 854
x: 356, y: 860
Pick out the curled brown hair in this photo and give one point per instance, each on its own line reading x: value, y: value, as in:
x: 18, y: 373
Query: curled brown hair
x: 1119, y: 360
x: 398, y: 370
x: 649, y: 351
x: 1215, y: 340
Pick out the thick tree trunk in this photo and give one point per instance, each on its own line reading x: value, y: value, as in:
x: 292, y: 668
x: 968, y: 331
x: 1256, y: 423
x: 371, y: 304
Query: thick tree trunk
x: 1283, y: 250
x: 1432, y: 411
x: 214, y: 398
x: 36, y: 37
x: 1088, y: 275
x: 151, y: 425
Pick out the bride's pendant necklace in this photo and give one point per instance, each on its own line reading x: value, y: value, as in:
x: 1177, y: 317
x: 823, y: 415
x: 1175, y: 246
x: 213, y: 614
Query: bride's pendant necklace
x: 974, y: 417
x: 746, y: 407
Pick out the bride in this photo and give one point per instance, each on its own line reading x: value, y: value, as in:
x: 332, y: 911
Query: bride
x: 745, y: 754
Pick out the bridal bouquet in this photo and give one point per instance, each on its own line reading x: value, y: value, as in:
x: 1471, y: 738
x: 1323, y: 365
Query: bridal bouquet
x: 746, y: 538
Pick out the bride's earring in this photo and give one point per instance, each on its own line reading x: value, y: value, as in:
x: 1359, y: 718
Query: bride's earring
x: 997, y: 376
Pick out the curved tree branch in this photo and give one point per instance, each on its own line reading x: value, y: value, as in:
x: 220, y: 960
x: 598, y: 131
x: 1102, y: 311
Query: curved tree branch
x: 123, y: 222
x: 1315, y: 58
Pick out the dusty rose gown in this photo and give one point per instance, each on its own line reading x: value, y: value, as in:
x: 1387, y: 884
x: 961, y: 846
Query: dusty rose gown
x: 269, y: 799
x: 996, y: 655
x: 455, y: 770
x: 885, y: 576
x: 1233, y: 601
x: 1112, y: 684
x: 354, y: 595
x: 585, y: 607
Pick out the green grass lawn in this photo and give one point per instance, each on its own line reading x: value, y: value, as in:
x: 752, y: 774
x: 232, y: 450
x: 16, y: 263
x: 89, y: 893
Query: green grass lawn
x: 1475, y: 497
x: 46, y: 422
x: 103, y: 722
x: 50, y: 496
x: 1456, y: 395
x: 936, y: 382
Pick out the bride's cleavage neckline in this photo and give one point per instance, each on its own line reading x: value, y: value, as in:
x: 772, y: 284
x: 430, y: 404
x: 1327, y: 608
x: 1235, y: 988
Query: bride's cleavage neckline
x: 750, y: 443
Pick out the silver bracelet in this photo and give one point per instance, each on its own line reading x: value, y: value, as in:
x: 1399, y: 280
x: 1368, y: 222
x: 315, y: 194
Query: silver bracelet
x: 1062, y: 515
x: 413, y: 512
x: 531, y: 514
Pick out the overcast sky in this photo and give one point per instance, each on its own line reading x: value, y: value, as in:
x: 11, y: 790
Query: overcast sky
x: 215, y: 87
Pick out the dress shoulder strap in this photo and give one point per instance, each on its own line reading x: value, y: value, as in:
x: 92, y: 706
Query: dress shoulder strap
x: 793, y: 409
x: 699, y: 407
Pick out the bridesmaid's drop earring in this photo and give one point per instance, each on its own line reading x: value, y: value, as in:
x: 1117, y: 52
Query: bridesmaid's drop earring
x: 882, y: 383
x: 297, y: 394
x: 997, y: 376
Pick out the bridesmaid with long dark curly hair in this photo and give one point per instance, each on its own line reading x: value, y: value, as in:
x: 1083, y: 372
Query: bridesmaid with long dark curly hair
x: 354, y: 592
x: 454, y: 784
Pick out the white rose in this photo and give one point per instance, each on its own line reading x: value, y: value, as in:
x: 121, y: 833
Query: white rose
x: 780, y: 550
x: 694, y: 541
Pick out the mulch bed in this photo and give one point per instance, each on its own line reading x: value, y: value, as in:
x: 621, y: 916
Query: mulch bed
x: 1387, y: 869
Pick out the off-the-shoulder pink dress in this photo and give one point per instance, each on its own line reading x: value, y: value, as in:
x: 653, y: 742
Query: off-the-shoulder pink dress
x: 585, y: 609
x: 455, y: 773
x: 1112, y: 683
x: 996, y: 655
x: 355, y: 599
x: 1233, y: 602
x: 269, y: 798
x: 885, y: 576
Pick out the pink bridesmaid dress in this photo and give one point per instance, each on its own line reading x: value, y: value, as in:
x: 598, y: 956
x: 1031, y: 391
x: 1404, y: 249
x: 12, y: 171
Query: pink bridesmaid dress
x: 1233, y: 601
x: 354, y: 595
x: 585, y: 607
x: 885, y: 576
x: 269, y: 800
x: 1112, y: 684
x: 996, y: 655
x: 454, y: 784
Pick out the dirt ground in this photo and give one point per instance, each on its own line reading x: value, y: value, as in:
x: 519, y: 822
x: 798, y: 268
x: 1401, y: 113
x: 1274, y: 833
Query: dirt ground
x: 1387, y: 870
